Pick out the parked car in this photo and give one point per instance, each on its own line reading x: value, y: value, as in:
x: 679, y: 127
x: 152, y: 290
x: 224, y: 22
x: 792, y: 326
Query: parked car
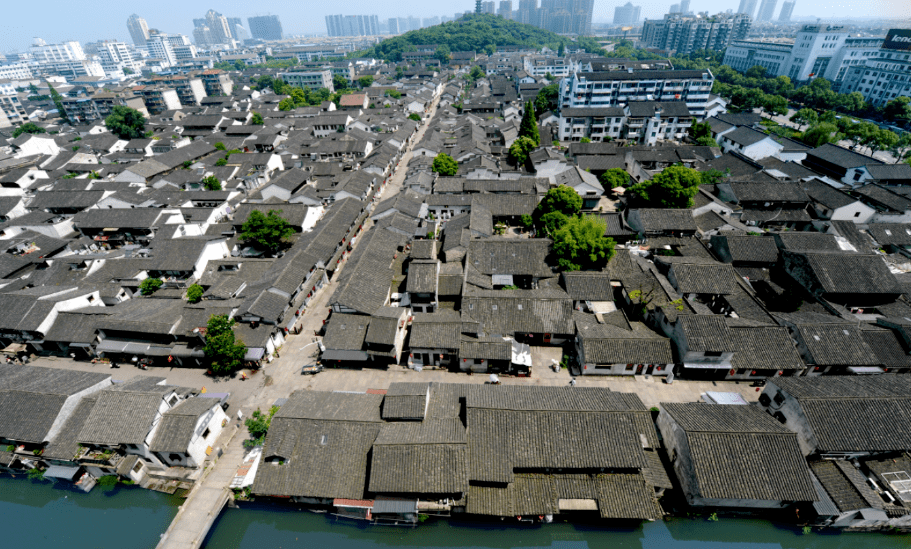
x: 312, y: 369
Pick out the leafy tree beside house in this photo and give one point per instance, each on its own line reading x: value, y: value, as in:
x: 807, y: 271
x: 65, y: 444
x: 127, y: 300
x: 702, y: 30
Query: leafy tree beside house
x: 547, y: 99
x: 224, y: 351
x: 820, y: 134
x: 674, y: 187
x: 194, y: 293
x: 701, y: 132
x: 125, y: 123
x: 414, y: 116
x: 613, y: 178
x: 258, y: 426
x: 563, y: 199
x: 29, y: 128
x: 211, y: 183
x: 581, y: 245
x: 256, y: 119
x: 520, y: 149
x: 266, y: 232
x: 339, y: 82
x: 529, y: 126
x: 149, y: 286
x: 365, y: 81
x: 444, y: 164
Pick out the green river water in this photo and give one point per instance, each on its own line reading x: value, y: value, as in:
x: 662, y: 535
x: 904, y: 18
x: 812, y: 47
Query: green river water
x: 37, y: 515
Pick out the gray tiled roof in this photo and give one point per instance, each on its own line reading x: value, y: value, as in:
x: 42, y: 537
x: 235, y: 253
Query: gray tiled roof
x: 588, y: 285
x: 177, y: 426
x: 520, y: 311
x: 427, y: 457
x: 120, y: 417
x: 740, y: 452
x: 423, y: 276
x: 500, y: 255
x: 440, y: 330
x: 346, y: 332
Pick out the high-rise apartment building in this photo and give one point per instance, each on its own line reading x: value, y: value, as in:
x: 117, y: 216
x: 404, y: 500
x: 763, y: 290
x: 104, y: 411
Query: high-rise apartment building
x: 675, y: 8
x: 627, y: 14
x: 505, y: 9
x: 265, y: 27
x: 567, y: 16
x: 353, y: 25
x: 684, y: 6
x: 139, y: 29
x: 683, y: 34
x: 160, y: 48
x: 213, y: 29
x: 748, y: 7
x: 786, y: 10
x: 488, y: 7
x: 766, y: 10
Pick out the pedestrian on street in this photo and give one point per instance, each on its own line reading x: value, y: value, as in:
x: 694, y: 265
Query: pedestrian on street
x: 572, y: 382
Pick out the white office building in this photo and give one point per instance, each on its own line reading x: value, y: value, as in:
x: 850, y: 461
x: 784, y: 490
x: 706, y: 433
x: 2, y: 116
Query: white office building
x: 886, y: 75
x: 818, y: 51
x: 160, y: 48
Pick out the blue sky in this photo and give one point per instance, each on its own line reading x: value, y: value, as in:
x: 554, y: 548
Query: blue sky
x: 89, y: 20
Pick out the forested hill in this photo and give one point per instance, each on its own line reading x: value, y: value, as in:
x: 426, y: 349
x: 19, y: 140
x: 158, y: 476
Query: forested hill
x: 475, y: 32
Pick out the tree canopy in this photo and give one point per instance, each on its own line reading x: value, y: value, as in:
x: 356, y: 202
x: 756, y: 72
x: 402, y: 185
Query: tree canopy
x: 211, y: 183
x: 28, y: 127
x: 548, y: 99
x: 365, y: 81
x: 474, y: 32
x: 444, y: 164
x: 581, y: 244
x: 256, y: 119
x: 126, y: 123
x: 563, y: 199
x: 266, y: 232
x: 674, y: 187
x: 224, y: 351
x: 529, y: 125
x: 194, y: 293
x: 613, y: 178
x: 258, y: 426
x: 339, y: 82
x: 149, y: 286
x: 520, y: 149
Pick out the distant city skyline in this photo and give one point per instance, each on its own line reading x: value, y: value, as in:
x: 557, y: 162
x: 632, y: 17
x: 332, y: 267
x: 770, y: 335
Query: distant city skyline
x: 94, y: 20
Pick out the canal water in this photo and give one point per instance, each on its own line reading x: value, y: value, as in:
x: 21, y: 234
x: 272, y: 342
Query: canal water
x: 51, y: 516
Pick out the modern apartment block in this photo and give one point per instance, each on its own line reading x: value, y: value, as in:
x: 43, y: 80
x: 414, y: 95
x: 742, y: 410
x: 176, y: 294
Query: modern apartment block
x: 308, y: 79
x: 158, y: 98
x: 787, y: 9
x: 766, y: 10
x: 818, y: 51
x: 748, y: 7
x: 265, y: 27
x: 505, y: 10
x: 885, y: 75
x: 190, y: 90
x: 620, y: 87
x: 682, y: 34
x: 15, y: 71
x: 352, y: 25
x: 217, y: 82
x: 11, y: 111
x: 627, y: 14
x: 139, y: 29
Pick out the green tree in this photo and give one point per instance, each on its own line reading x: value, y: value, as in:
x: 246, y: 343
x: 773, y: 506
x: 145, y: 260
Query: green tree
x: 395, y: 94
x: 613, y: 178
x: 700, y: 129
x: 339, y: 82
x: 706, y: 142
x: 58, y: 99
x: 125, y: 123
x: 561, y: 51
x: 585, y: 140
x: 902, y: 147
x: 756, y: 71
x: 775, y: 104
x: 444, y: 164
x: 898, y: 109
x: 414, y: 116
x: 365, y: 81
x: 581, y: 244
x: 256, y: 119
x: 286, y: 104
x: 266, y: 232
x: 828, y: 117
x: 28, y: 127
x: 219, y: 146
x: 476, y: 73
x: 805, y: 116
x: 551, y: 222
x: 674, y: 187
x: 211, y: 183
x: 258, y: 426
x: 547, y: 99
x: 880, y: 140
x: 149, y: 286
x: 563, y: 199
x: 443, y: 54
x: 194, y: 293
x: 221, y: 162
x: 224, y: 351
x: 520, y: 149
x: 529, y: 125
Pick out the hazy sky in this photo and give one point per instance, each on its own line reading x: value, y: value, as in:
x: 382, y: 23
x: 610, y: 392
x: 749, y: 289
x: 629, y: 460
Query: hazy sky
x: 90, y: 20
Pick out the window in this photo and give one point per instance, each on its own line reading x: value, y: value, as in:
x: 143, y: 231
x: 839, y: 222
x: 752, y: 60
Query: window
x: 175, y: 457
x: 479, y: 361
x: 629, y: 367
x: 712, y: 353
x: 137, y: 467
x: 206, y: 433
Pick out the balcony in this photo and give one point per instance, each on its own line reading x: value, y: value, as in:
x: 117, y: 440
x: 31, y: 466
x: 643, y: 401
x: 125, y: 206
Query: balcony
x: 99, y: 458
